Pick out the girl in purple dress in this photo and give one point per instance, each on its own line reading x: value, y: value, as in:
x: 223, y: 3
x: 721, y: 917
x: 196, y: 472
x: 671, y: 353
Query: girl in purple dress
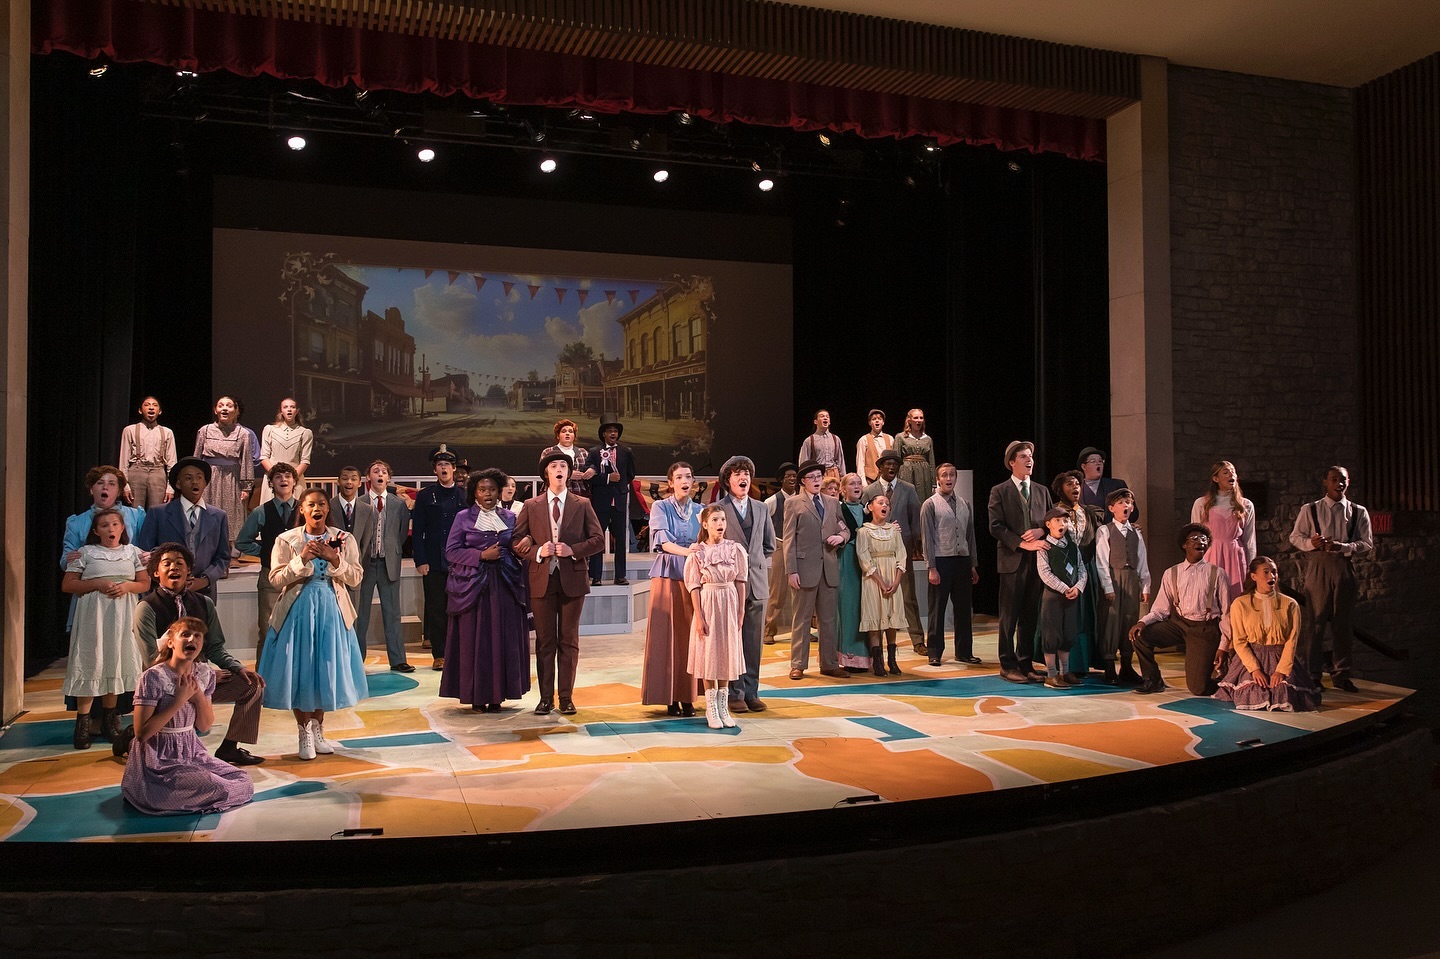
x: 1231, y: 518
x: 169, y: 771
x: 487, y: 642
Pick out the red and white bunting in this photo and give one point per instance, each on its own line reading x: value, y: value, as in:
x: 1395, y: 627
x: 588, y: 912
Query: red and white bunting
x: 479, y: 282
x: 582, y: 294
x: 609, y: 296
x: 533, y: 290
x: 560, y: 292
x: 508, y: 287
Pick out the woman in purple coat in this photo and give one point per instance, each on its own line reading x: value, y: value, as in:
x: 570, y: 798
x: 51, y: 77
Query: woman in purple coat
x: 487, y: 642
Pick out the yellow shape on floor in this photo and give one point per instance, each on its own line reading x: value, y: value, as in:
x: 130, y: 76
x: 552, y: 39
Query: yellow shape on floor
x: 518, y: 749
x: 490, y: 818
x: 941, y: 705
x: 407, y: 817
x: 323, y: 767
x: 12, y: 813
x: 378, y: 722
x: 1050, y: 767
x: 71, y: 773
x: 651, y: 754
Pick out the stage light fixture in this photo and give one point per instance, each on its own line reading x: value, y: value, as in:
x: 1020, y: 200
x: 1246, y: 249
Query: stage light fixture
x: 360, y: 94
x: 823, y: 138
x: 188, y: 74
x: 297, y: 142
x: 425, y: 154
x: 930, y: 146
x: 585, y: 115
x: 661, y: 176
x: 755, y: 166
x: 684, y: 119
x: 548, y: 165
x: 100, y: 68
x: 537, y: 134
x: 909, y: 180
x: 766, y: 185
x: 1013, y: 167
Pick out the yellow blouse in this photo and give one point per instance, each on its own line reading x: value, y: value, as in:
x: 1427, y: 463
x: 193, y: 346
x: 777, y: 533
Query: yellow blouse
x: 1265, y: 621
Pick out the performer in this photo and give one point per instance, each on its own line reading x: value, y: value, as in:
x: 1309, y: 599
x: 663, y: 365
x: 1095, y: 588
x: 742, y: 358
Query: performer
x: 814, y: 534
x: 871, y: 445
x: 610, y: 495
x: 880, y: 553
x: 507, y: 496
x: 311, y: 661
x: 226, y: 446
x: 747, y: 522
x: 1066, y: 488
x: 488, y: 641
x: 1193, y: 610
x: 1017, y: 509
x: 147, y: 451
x: 674, y: 531
x: 1124, y: 574
x: 1096, y: 487
x: 435, y: 511
x: 852, y: 644
x: 105, y: 484
x: 780, y: 607
x: 1062, y: 569
x: 581, y: 472
x: 257, y: 538
x: 715, y: 573
x: 918, y: 451
x: 168, y: 771
x: 947, y: 527
x: 824, y: 447
x: 169, y: 568
x: 1332, y: 531
x: 568, y: 534
x: 382, y: 566
x: 904, y: 509
x: 1231, y: 517
x: 350, y: 512
x: 1267, y: 671
x: 188, y: 519
x: 287, y: 440
x: 104, y: 659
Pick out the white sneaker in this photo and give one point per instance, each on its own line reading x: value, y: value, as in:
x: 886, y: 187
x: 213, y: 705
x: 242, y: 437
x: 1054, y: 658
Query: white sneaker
x: 322, y: 745
x: 307, y: 742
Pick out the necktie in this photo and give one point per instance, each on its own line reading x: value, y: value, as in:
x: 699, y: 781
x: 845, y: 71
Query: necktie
x: 1025, y: 492
x: 887, y: 490
x: 192, y: 528
x: 349, y: 515
x: 819, y: 508
x: 555, y: 519
x: 380, y: 524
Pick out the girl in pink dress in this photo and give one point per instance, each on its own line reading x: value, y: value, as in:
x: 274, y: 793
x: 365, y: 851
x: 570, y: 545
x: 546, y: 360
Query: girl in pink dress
x: 715, y: 577
x: 1231, y: 518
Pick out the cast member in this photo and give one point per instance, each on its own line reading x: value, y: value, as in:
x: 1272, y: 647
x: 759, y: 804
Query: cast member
x: 382, y: 566
x: 1062, y: 570
x: 1331, y: 531
x: 1066, y: 489
x: 581, y: 471
x: 257, y: 538
x: 610, y: 495
x: 1097, y: 487
x: 147, y: 451
x: 715, y: 573
x: 435, y: 510
x: 905, y: 510
x: 227, y: 447
x: 287, y: 440
x: 853, y: 644
x: 871, y: 445
x: 674, y: 532
x: 880, y: 553
x: 824, y: 447
x: 1267, y: 671
x: 351, y: 511
x: 947, y: 528
x: 780, y: 607
x: 1191, y: 609
x: 188, y: 519
x: 1017, y: 510
x: 1123, y: 571
x: 1231, y: 518
x: 748, y: 524
x: 814, y: 534
x: 918, y: 451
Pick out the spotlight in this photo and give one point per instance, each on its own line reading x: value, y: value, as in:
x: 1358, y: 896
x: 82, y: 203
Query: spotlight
x: 188, y: 74
x: 548, y: 165
x: 585, y: 115
x: 425, y: 154
x: 361, y: 94
x: 766, y: 185
x: 661, y: 176
x: 100, y: 68
x: 684, y: 119
x: 823, y: 138
x: 296, y: 142
x: 909, y: 180
x: 755, y: 166
x: 537, y: 134
x: 1013, y: 167
x: 635, y: 143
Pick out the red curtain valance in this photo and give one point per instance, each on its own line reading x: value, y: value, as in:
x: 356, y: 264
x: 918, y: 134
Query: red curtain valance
x: 247, y: 45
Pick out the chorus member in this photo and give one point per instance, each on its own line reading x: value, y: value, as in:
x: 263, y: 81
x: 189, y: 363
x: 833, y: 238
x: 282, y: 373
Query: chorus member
x: 947, y: 530
x: 507, y: 495
x: 559, y: 532
x: 1017, y: 509
x: 254, y: 440
x: 1123, y: 571
x: 1096, y: 486
x: 715, y: 575
x: 1066, y: 489
x: 287, y: 440
x: 312, y: 663
x: 871, y: 445
x: 830, y: 486
x: 1267, y: 671
x: 779, y: 607
x: 905, y: 506
x: 257, y: 538
x: 1332, y: 531
x: 918, y: 452
x: 350, y: 511
x: 1231, y: 518
x: 1062, y: 569
x: 168, y: 772
x: 147, y: 451
x: 382, y: 565
x: 105, y: 660
x: 488, y: 643
x: 614, y: 467
x: 169, y: 568
x: 188, y: 519
x: 462, y: 473
x: 747, y: 523
x: 581, y: 469
x: 853, y: 643
x: 105, y: 484
x: 674, y: 535
x: 1192, y: 608
x: 226, y: 446
x: 814, y: 533
x: 824, y: 447
x: 435, y: 510
x: 880, y: 553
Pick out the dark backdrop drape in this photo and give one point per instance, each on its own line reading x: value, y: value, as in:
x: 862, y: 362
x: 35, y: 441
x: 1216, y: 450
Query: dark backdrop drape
x: 250, y: 46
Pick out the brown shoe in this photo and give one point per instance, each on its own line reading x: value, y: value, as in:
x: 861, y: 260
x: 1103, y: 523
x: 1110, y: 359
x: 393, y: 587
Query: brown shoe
x: 439, y: 664
x: 835, y: 673
x: 756, y: 705
x: 1013, y: 676
x: 1057, y: 681
x: 797, y: 674
x: 736, y: 705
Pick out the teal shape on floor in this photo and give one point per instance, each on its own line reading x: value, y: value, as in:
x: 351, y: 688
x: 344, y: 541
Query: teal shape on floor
x: 693, y: 725
x: 399, y: 739
x: 388, y: 683
x: 1228, y: 726
x: 51, y: 732
x: 960, y: 687
x: 893, y: 731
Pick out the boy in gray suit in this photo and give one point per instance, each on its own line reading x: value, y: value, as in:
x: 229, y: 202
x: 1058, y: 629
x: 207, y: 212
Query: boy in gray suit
x: 813, y: 535
x: 747, y: 522
x: 382, y: 565
x: 1017, y: 511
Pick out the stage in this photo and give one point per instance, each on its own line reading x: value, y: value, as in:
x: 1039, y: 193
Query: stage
x: 411, y: 765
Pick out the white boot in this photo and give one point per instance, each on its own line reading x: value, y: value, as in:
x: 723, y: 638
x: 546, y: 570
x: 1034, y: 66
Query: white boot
x: 712, y: 710
x: 722, y: 704
x: 317, y: 732
x: 307, y: 742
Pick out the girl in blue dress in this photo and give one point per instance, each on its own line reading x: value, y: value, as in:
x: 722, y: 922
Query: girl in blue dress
x: 674, y: 529
x: 312, y: 660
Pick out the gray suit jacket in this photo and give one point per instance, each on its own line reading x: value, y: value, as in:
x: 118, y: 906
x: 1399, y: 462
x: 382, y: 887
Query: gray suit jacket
x: 1008, y: 520
x: 759, y: 547
x: 904, y: 509
x: 806, y: 551
x: 396, y: 526
x: 361, y: 527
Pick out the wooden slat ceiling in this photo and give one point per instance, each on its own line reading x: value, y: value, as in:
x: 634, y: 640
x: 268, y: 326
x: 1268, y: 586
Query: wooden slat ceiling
x: 755, y: 38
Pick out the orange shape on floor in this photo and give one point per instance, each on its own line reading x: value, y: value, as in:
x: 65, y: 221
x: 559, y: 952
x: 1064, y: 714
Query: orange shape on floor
x: 1154, y: 741
x: 607, y: 694
x: 896, y: 776
x: 70, y: 773
x: 323, y: 767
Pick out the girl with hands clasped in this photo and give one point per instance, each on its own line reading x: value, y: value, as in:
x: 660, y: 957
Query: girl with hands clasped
x: 105, y: 658
x: 674, y: 529
x: 880, y: 553
x: 168, y: 770
x: 1266, y: 672
x: 715, y: 577
x: 311, y: 661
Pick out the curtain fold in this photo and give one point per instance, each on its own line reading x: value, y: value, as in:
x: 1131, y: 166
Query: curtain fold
x: 246, y: 45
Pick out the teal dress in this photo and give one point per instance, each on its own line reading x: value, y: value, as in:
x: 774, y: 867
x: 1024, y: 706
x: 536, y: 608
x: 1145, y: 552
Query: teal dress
x: 854, y: 645
x: 1085, y: 650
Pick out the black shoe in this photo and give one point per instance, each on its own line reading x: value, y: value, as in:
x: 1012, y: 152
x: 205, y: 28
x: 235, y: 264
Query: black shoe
x: 1147, y: 687
x: 622, y: 581
x: 673, y: 709
x: 1344, y: 683
x: 934, y: 660
x: 877, y: 663
x: 567, y: 707
x: 82, y: 731
x: 890, y: 662
x: 543, y: 707
x: 110, y: 725
x: 237, y: 756
x: 494, y: 707
x: 402, y: 668
x: 1128, y: 676
x: 1110, y: 677
x: 595, y: 582
x: 687, y: 709
x: 968, y: 660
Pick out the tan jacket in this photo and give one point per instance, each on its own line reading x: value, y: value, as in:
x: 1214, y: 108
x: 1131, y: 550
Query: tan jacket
x: 288, y: 574
x: 806, y: 551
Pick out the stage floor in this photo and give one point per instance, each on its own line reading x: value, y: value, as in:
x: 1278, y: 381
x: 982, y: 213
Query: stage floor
x: 414, y: 765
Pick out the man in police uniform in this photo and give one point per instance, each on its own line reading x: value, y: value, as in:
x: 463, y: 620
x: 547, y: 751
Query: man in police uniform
x: 434, y: 512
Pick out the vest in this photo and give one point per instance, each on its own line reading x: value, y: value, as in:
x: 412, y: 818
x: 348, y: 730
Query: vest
x: 1058, y: 556
x: 1132, y: 547
x: 165, y: 611
x: 271, y: 526
x: 747, y: 521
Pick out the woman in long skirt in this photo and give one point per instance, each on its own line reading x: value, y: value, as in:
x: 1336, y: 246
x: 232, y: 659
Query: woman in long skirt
x: 1231, y: 518
x: 674, y: 528
x: 918, y: 451
x: 1266, y: 671
x: 225, y: 445
x: 853, y: 644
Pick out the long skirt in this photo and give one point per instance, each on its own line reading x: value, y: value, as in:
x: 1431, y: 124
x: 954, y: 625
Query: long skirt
x: 854, y: 646
x: 666, y: 677
x: 1296, y: 693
